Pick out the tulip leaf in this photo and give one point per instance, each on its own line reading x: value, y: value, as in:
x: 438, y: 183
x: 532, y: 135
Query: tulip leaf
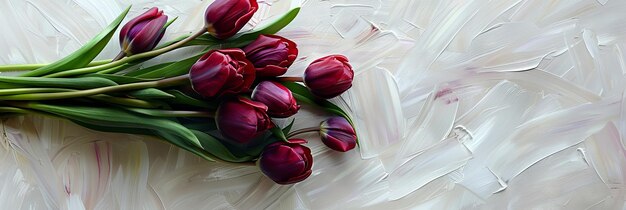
x: 175, y: 140
x: 119, y: 79
x: 83, y: 56
x: 245, y: 38
x: 303, y: 95
x: 270, y: 28
x: 288, y: 127
x: 278, y: 133
x: 257, y: 145
x: 141, y: 71
x: 71, y: 83
x: 213, y: 146
x: 170, y: 22
x: 200, y: 124
x: 150, y: 93
x: 184, y: 99
x: 115, y: 118
x: 171, y: 70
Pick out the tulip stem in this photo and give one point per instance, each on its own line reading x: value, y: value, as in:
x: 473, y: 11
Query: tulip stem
x: 128, y: 59
x: 172, y: 81
x: 301, y: 131
x: 28, y: 67
x: 290, y: 79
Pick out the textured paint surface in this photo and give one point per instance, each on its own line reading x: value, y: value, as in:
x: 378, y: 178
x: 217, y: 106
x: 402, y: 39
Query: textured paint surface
x: 459, y: 104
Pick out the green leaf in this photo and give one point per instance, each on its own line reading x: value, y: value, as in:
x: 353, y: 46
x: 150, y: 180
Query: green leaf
x: 278, y: 133
x: 119, y: 79
x: 288, y: 127
x: 272, y: 27
x: 115, y: 118
x: 119, y: 68
x: 150, y: 93
x: 147, y: 69
x: 170, y: 22
x: 216, y: 148
x: 71, y: 83
x: 174, y: 69
x: 203, y: 125
x: 83, y: 56
x: 303, y: 95
x: 246, y: 38
x: 183, y: 99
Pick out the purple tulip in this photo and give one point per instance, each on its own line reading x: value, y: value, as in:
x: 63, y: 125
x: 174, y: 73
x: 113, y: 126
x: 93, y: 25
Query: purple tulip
x: 329, y: 76
x: 338, y: 134
x: 224, y: 18
x: 143, y: 33
x: 278, y: 99
x: 271, y: 55
x: 222, y: 72
x: 286, y: 163
x: 241, y: 120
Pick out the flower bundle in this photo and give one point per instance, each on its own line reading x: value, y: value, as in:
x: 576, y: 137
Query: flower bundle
x: 219, y: 104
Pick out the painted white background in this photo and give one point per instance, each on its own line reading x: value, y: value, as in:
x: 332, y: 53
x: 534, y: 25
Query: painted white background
x: 459, y: 104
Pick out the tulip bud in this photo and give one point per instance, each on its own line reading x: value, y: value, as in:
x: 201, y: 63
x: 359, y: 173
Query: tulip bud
x: 241, y: 120
x: 221, y: 72
x: 271, y: 55
x: 329, y: 76
x: 338, y: 134
x: 143, y: 33
x: 278, y: 99
x: 224, y: 18
x: 286, y: 163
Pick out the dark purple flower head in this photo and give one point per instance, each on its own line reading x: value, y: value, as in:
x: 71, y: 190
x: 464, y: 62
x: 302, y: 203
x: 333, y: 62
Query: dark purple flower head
x: 143, y: 33
x: 338, y: 134
x: 271, y: 55
x: 329, y: 76
x: 277, y: 98
x: 224, y: 18
x: 241, y: 120
x: 286, y: 163
x: 222, y: 72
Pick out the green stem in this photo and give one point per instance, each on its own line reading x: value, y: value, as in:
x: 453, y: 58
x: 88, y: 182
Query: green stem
x: 304, y: 130
x: 173, y: 81
x: 18, y: 91
x: 28, y: 67
x: 128, y: 59
x: 114, y: 69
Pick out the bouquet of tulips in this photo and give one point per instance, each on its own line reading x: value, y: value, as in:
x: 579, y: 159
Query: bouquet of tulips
x: 218, y: 104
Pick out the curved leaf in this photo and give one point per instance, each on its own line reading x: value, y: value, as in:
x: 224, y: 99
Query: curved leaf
x: 278, y: 133
x: 216, y: 148
x: 184, y: 99
x: 246, y: 38
x: 272, y: 27
x: 83, y: 56
x: 150, y: 93
x: 119, y: 119
x: 302, y: 94
x: 171, y: 70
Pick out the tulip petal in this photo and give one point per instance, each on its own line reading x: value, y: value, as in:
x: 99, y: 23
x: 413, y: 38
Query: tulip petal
x: 153, y: 12
x: 227, y: 17
x: 148, y: 36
